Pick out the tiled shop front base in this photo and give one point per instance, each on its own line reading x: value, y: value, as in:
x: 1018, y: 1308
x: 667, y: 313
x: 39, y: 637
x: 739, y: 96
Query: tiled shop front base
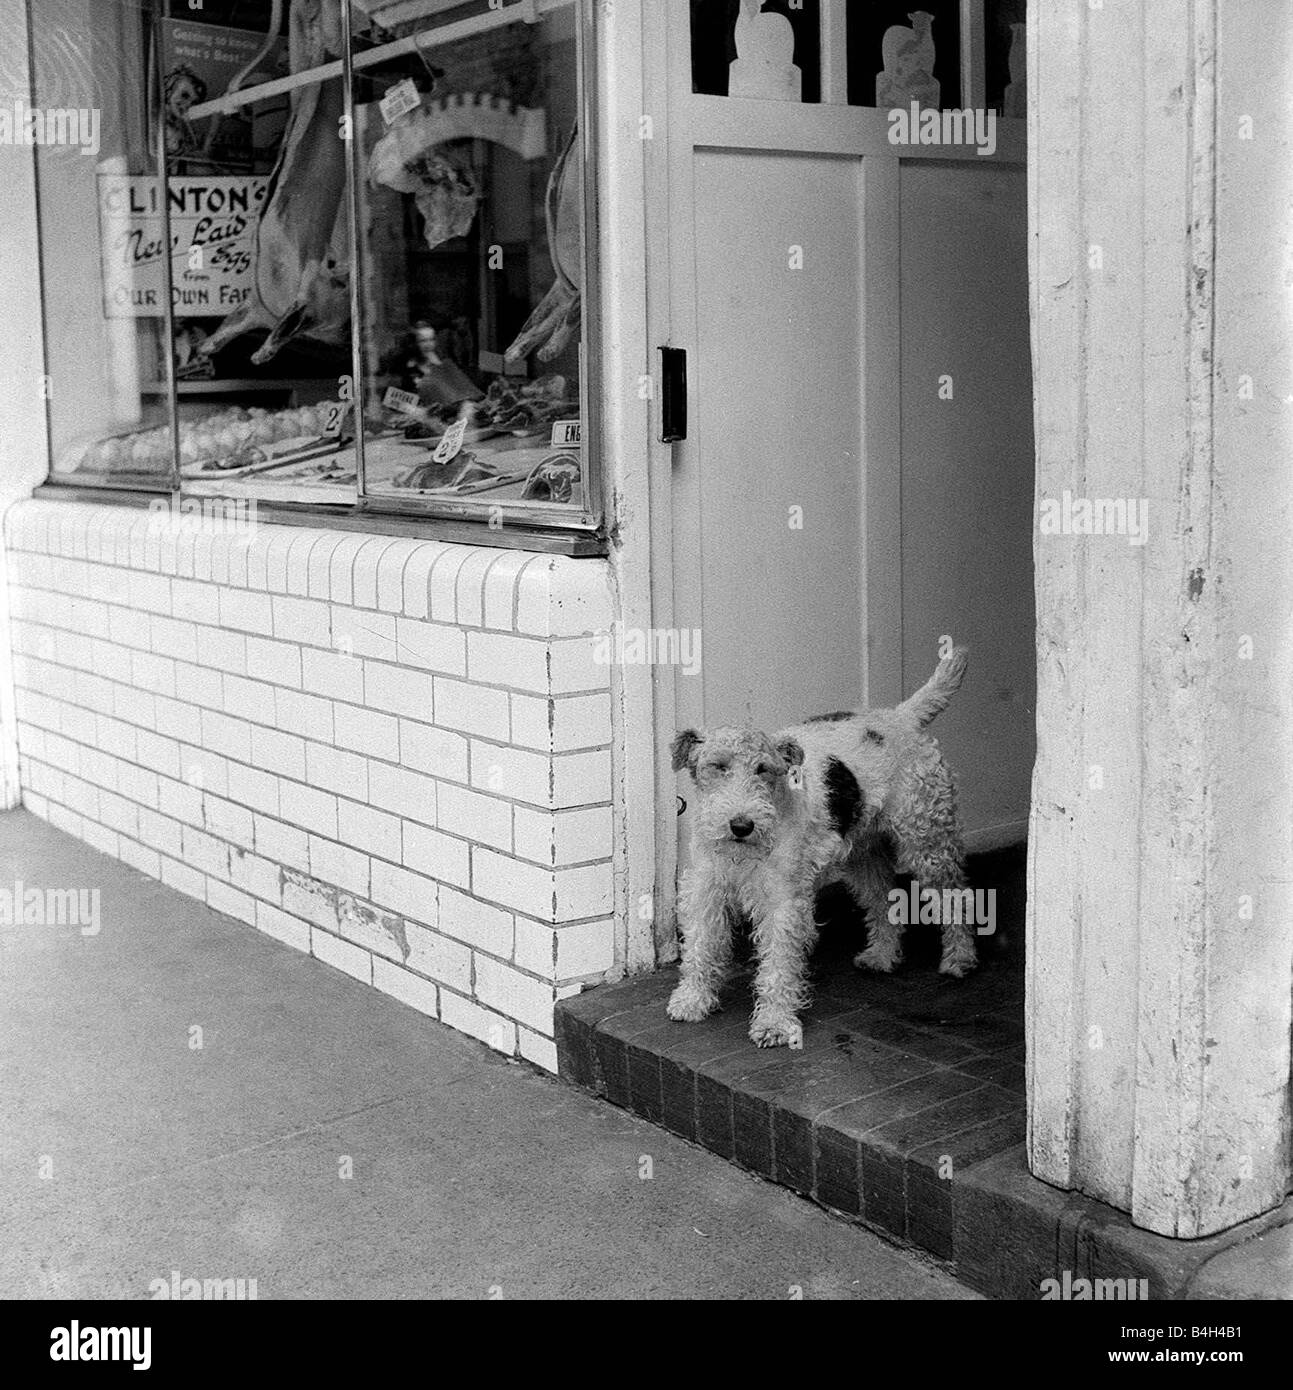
x: 904, y: 1110
x: 394, y: 754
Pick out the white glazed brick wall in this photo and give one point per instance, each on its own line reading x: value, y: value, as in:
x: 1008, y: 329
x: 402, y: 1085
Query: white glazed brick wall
x: 393, y: 754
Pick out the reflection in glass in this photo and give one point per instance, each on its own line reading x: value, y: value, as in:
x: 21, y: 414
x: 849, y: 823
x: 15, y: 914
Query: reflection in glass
x: 1006, y: 62
x: 224, y: 298
x: 471, y: 243
x: 734, y: 53
x: 261, y: 260
x: 899, y: 53
x: 102, y: 246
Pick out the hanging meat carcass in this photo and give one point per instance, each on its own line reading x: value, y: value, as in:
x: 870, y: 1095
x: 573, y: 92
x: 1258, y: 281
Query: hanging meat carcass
x: 300, y: 280
x: 550, y: 326
x: 445, y: 192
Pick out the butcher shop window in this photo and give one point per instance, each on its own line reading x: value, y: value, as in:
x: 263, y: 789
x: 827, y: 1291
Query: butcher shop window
x: 375, y: 214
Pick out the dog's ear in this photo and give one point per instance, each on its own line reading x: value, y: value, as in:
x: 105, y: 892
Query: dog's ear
x: 791, y: 751
x: 683, y: 749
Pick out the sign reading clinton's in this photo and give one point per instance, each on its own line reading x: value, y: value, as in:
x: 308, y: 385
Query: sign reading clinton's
x: 213, y: 225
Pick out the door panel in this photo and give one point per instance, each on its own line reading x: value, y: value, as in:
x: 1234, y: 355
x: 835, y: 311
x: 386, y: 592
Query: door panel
x: 814, y: 386
x: 777, y: 404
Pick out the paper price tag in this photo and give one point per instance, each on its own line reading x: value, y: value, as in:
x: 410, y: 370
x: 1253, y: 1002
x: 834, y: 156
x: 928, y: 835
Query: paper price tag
x: 336, y: 418
x: 566, y: 433
x: 402, y: 98
x: 449, y: 446
x: 395, y: 399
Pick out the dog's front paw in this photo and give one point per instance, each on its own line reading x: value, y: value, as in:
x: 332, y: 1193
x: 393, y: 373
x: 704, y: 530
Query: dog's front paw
x: 687, y: 1004
x: 776, y: 1030
x: 878, y: 957
x: 957, y: 964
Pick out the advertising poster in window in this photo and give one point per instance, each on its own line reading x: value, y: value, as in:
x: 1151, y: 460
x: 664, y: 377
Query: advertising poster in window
x: 213, y: 222
x: 199, y: 63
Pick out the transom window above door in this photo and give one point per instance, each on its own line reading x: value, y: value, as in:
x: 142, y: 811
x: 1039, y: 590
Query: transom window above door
x: 882, y: 53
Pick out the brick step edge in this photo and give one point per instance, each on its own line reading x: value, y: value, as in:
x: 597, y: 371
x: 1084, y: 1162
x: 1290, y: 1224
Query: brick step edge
x: 1010, y: 1232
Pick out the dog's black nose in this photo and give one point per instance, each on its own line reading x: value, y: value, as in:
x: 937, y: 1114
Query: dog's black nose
x: 741, y: 826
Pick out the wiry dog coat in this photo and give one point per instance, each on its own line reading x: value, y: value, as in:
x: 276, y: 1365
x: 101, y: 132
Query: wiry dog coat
x: 852, y: 797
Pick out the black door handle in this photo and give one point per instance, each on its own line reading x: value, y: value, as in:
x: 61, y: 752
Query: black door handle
x: 673, y: 395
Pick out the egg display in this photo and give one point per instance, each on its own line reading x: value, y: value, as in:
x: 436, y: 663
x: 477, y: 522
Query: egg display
x: 212, y: 442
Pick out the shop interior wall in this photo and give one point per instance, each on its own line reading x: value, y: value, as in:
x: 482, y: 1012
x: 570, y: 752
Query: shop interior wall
x: 967, y: 473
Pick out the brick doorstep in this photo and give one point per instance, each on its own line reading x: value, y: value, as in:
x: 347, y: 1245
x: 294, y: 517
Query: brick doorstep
x: 909, y: 1123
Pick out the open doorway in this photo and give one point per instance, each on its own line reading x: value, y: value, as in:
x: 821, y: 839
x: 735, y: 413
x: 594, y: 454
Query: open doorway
x: 849, y: 279
x: 849, y: 283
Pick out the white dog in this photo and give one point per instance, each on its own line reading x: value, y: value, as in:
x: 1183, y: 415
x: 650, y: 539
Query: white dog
x: 851, y: 797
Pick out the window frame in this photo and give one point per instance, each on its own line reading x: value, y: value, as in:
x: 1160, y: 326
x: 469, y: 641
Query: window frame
x: 557, y: 527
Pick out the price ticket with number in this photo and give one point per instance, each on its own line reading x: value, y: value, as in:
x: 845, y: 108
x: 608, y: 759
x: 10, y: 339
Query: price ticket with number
x: 450, y: 445
x: 336, y: 417
x: 402, y: 98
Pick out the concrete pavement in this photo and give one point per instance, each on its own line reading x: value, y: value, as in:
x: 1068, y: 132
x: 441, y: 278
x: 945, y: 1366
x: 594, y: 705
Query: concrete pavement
x: 180, y: 1093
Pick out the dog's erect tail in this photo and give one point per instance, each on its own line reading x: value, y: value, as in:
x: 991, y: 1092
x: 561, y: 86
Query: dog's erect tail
x: 932, y: 697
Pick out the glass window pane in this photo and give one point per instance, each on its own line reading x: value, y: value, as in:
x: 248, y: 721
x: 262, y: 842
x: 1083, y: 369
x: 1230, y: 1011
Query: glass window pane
x: 261, y: 259
x: 471, y: 236
x: 898, y: 54
x: 1006, y: 61
x: 101, y: 242
x: 734, y: 52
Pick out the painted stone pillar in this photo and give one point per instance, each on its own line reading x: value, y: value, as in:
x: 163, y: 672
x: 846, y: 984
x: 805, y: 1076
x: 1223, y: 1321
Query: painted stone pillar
x: 1160, y: 931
